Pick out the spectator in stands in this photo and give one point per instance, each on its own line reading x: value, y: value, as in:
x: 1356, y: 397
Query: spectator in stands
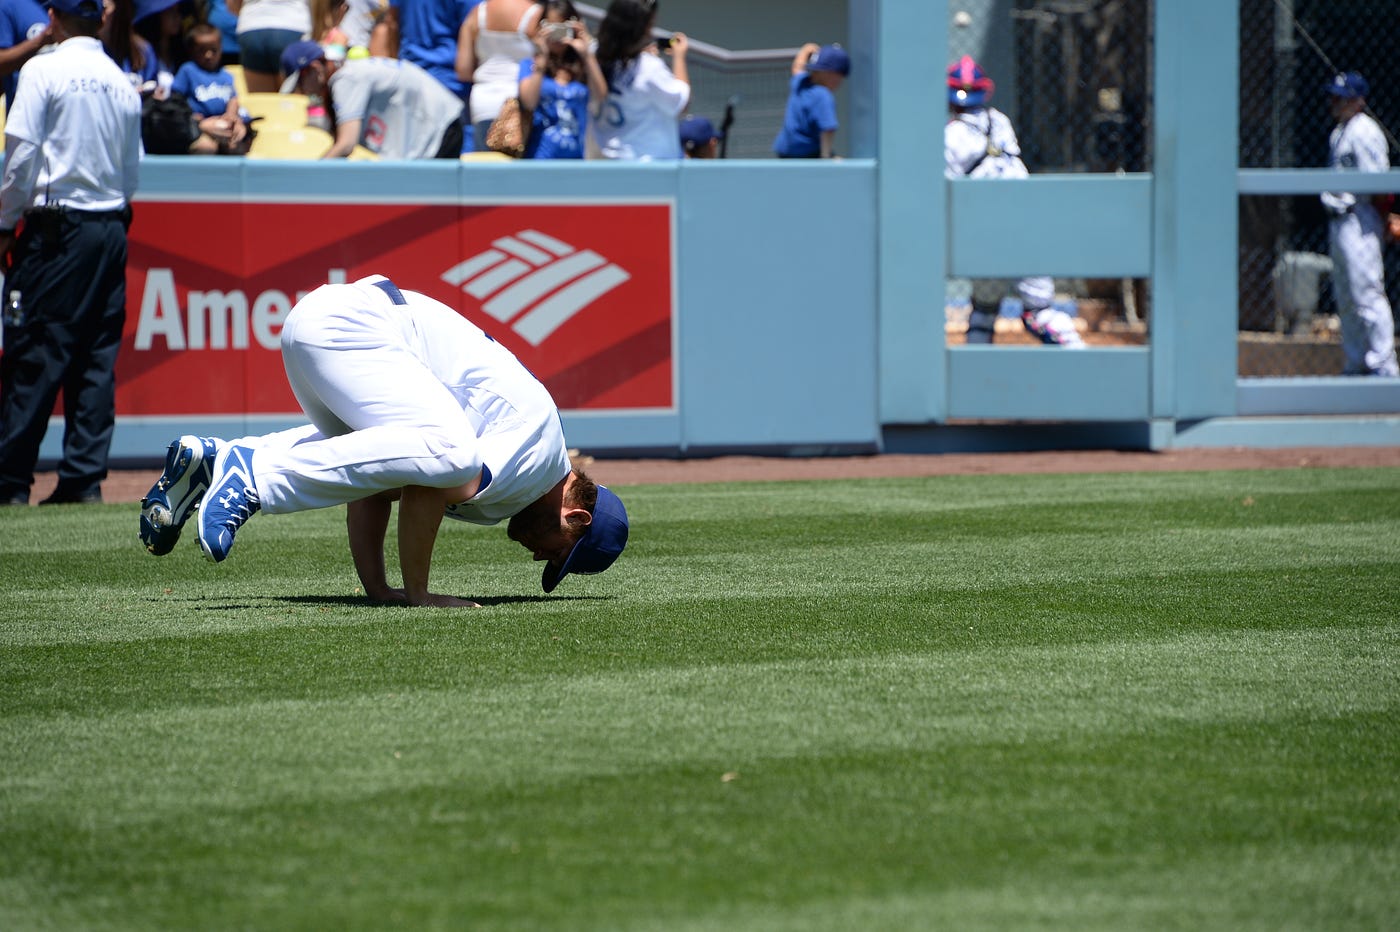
x: 425, y: 33
x: 809, y: 123
x: 393, y: 108
x: 559, y: 83
x: 24, y: 29
x: 210, y: 92
x: 699, y: 138
x: 640, y: 119
x: 490, y: 45
x: 361, y: 16
x: 978, y: 142
x: 265, y: 29
x: 217, y: 13
x: 133, y: 54
x: 161, y: 23
x: 1355, y: 229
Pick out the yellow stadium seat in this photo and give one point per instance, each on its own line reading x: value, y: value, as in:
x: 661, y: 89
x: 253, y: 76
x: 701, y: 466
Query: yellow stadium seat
x: 287, y: 111
x: 487, y: 156
x: 361, y: 154
x: 280, y: 142
x: 240, y: 86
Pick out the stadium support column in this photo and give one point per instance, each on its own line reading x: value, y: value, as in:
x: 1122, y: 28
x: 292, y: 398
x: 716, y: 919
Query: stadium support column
x: 889, y: 95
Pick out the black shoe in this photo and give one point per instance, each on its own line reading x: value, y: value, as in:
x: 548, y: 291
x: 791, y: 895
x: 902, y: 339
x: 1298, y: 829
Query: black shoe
x: 66, y: 497
x: 14, y: 498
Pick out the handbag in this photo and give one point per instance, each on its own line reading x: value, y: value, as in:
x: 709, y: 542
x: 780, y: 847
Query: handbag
x: 509, y: 130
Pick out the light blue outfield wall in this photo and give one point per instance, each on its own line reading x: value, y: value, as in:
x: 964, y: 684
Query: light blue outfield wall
x: 810, y: 296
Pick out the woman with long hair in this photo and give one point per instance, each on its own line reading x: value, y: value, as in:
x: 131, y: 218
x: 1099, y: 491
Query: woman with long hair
x: 641, y: 117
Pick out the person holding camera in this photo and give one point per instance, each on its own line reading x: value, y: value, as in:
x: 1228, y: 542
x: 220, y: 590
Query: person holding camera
x: 809, y: 121
x: 560, y: 85
x: 493, y: 39
x: 73, y: 140
x: 640, y: 119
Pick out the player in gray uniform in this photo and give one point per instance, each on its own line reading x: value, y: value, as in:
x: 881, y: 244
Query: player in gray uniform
x: 391, y: 107
x: 1354, y: 233
x: 408, y: 401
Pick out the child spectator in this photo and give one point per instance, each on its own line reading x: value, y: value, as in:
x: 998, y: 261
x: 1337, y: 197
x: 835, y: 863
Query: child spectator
x: 699, y: 138
x: 209, y: 89
x: 559, y: 84
x: 810, y: 124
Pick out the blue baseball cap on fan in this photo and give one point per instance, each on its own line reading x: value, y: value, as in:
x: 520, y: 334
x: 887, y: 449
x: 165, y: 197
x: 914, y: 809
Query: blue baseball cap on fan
x: 84, y: 9
x: 1348, y: 84
x: 599, y: 546
x: 145, y: 9
x: 830, y: 58
x: 697, y: 131
x: 300, y: 54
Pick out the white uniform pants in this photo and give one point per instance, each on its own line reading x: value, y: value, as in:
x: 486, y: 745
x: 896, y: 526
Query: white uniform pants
x: 1358, y: 283
x: 380, y: 419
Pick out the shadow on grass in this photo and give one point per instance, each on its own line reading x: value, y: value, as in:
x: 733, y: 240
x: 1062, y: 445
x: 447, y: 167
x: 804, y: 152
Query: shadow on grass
x: 203, y: 604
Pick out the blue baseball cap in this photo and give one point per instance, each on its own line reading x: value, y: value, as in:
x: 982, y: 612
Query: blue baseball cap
x: 83, y: 9
x: 599, y: 546
x: 830, y: 58
x: 1347, y: 85
x: 300, y: 54
x: 697, y: 131
x: 145, y: 9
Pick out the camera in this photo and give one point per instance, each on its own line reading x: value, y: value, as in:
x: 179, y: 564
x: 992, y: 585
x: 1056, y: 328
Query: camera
x: 663, y: 43
x: 557, y: 32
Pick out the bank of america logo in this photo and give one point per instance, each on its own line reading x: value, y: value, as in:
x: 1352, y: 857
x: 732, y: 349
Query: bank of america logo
x: 535, y: 282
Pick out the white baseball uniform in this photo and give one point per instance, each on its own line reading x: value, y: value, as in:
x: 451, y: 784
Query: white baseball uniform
x: 402, y: 390
x: 1358, y: 276
x: 980, y: 143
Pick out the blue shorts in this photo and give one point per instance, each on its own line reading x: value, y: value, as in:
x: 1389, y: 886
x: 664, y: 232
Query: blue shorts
x: 262, y: 48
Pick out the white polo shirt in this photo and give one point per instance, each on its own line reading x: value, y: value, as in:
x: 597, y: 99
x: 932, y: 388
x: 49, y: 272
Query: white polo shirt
x: 82, y: 119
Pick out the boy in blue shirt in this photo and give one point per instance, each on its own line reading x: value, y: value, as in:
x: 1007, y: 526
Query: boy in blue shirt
x: 209, y: 90
x: 809, y: 125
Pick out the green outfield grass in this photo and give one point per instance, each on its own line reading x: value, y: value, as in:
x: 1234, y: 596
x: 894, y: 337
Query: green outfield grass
x: 1165, y: 700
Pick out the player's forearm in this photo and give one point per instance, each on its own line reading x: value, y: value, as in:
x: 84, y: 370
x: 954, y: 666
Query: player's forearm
x: 420, y: 515
x: 366, y: 523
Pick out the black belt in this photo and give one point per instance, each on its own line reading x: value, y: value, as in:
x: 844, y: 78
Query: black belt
x: 392, y: 290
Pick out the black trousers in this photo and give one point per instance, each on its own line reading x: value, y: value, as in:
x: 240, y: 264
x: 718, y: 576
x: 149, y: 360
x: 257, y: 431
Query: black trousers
x: 70, y: 270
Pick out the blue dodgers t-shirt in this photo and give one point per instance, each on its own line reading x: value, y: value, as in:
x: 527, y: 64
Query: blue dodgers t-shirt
x: 20, y: 20
x: 560, y: 120
x: 428, y: 36
x: 208, y: 92
x: 811, y: 111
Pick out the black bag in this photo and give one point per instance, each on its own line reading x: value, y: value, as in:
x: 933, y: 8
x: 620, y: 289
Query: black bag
x: 168, y: 127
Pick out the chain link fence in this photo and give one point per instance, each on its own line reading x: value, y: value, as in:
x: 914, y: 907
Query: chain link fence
x: 1289, y: 49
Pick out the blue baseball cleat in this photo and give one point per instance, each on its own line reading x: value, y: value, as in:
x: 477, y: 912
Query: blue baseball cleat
x: 231, y: 500
x: 189, y: 463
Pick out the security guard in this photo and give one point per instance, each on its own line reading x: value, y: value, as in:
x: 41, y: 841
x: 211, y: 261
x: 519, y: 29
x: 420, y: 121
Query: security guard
x: 72, y: 144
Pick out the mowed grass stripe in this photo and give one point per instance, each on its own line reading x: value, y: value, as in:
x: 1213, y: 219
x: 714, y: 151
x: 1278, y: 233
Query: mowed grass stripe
x: 286, y: 656
x: 562, y: 727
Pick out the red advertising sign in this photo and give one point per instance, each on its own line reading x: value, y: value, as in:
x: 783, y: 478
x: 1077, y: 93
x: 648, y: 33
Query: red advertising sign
x: 582, y: 294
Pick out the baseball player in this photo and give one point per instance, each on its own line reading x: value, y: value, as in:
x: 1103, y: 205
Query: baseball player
x: 408, y: 401
x: 978, y: 142
x: 1354, y: 234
